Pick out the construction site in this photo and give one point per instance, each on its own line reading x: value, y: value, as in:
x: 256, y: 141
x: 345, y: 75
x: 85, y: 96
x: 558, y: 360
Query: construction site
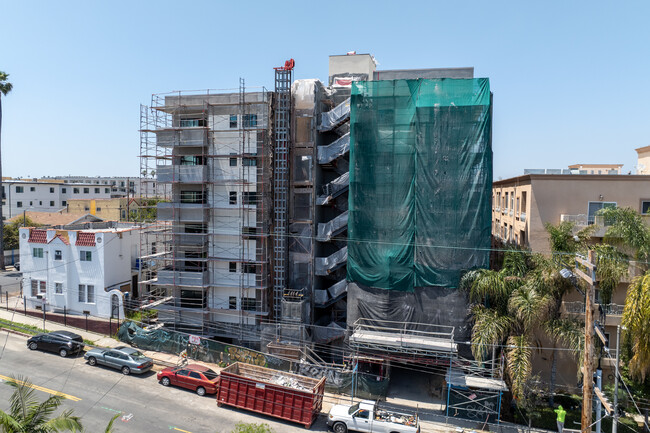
x: 325, y: 223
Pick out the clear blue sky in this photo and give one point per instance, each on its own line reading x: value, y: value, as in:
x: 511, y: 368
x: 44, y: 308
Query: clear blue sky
x: 570, y: 78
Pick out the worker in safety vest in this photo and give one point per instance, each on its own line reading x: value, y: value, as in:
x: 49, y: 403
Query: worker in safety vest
x: 561, y: 414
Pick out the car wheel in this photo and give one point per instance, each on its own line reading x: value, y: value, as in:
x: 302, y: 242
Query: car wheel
x: 165, y: 381
x: 126, y: 370
x: 200, y: 391
x: 340, y: 427
x: 92, y: 360
x: 33, y: 346
x: 63, y: 353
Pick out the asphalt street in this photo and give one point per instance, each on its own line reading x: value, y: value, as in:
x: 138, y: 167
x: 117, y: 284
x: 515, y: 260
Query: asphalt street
x: 98, y: 393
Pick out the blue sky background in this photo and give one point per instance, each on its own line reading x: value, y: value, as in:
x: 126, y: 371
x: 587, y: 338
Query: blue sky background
x: 570, y: 78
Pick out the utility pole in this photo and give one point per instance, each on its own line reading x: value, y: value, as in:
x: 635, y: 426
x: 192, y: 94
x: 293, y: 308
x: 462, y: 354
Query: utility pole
x: 615, y: 421
x: 588, y: 367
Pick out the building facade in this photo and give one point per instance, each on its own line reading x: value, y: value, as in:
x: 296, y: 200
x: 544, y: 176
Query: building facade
x: 45, y: 196
x: 82, y: 271
x: 211, y: 257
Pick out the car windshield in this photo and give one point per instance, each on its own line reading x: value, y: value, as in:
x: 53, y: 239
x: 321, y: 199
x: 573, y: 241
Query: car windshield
x: 137, y: 355
x: 210, y: 375
x: 353, y: 409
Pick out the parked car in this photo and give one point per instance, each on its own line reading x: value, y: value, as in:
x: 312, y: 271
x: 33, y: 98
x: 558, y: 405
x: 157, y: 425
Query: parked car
x: 62, y: 342
x: 193, y: 376
x: 17, y: 266
x: 124, y: 358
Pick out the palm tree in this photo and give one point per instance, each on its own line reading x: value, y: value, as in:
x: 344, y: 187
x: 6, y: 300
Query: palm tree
x: 27, y: 414
x: 5, y: 87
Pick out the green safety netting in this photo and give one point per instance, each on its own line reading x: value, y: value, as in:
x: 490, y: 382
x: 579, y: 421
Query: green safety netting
x: 420, y: 181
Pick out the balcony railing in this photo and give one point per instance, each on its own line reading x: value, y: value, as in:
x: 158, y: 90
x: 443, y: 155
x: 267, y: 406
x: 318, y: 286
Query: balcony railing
x: 181, y: 173
x: 578, y: 307
x: 522, y: 217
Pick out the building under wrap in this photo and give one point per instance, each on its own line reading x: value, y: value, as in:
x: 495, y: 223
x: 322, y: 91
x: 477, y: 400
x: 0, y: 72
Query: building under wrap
x: 419, y: 200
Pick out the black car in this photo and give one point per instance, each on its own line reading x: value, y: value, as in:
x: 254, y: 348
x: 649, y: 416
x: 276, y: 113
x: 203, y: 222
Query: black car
x: 61, y: 342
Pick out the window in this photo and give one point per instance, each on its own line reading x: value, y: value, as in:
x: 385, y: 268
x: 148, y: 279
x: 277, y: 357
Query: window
x: 51, y: 190
x: 86, y: 208
x: 99, y: 209
x: 233, y: 197
x: 250, y: 231
x: 232, y: 303
x: 75, y: 190
x: 19, y: 204
x: 193, y: 299
x: 248, y: 268
x: 248, y: 304
x: 85, y: 256
x: 58, y: 288
x: 107, y: 190
x: 86, y: 190
x: 37, y: 253
x: 31, y: 203
x: 64, y: 203
x: 191, y: 123
x: 34, y: 287
x: 233, y: 120
x: 96, y: 190
x: 19, y: 189
x: 196, y: 228
x: 90, y: 289
x: 232, y: 267
x: 82, y: 293
x: 122, y: 183
x: 64, y: 190
x: 41, y: 287
x: 507, y: 201
x: 195, y: 197
x: 249, y: 197
x: 58, y: 255
x: 195, y: 375
x: 51, y: 203
x: 32, y: 189
x: 645, y: 207
x: 233, y: 161
x: 249, y: 161
x: 191, y: 160
x: 250, y: 120
x: 595, y: 206
x: 362, y: 414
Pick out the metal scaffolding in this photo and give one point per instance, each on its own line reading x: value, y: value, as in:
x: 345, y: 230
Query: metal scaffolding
x: 210, y: 152
x: 282, y: 137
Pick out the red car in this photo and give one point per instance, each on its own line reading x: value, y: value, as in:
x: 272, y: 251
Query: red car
x: 195, y: 377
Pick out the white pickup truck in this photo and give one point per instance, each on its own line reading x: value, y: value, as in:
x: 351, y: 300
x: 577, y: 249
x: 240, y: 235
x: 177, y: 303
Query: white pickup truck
x: 365, y: 416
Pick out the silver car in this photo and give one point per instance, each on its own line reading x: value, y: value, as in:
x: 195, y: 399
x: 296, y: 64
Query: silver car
x: 124, y: 358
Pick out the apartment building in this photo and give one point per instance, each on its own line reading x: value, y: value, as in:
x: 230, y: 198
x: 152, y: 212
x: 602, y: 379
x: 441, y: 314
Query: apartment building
x: 121, y: 186
x: 210, y: 256
x: 45, y: 196
x: 109, y: 209
x: 521, y: 206
x: 89, y: 270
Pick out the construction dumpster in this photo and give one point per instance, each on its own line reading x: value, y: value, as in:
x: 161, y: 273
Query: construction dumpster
x: 283, y: 395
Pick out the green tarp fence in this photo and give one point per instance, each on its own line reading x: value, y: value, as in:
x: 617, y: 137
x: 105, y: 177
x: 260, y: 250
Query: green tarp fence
x: 420, y: 182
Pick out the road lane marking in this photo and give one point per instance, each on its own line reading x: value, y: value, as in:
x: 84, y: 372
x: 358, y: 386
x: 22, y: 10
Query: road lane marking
x: 40, y: 388
x: 179, y: 429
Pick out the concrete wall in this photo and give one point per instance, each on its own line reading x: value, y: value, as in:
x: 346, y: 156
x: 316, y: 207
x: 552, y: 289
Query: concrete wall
x: 352, y: 64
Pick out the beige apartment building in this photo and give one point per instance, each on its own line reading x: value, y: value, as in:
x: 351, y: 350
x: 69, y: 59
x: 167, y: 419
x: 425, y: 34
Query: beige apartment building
x: 521, y: 206
x: 109, y: 209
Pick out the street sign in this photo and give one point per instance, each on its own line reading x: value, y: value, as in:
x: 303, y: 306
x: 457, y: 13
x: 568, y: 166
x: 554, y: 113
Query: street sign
x: 195, y: 339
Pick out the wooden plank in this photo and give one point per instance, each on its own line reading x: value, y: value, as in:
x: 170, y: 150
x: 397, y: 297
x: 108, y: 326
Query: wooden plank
x: 586, y: 263
x: 584, y: 276
x: 606, y: 404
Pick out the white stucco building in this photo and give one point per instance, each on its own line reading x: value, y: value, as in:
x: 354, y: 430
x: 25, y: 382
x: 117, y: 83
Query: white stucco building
x: 82, y: 270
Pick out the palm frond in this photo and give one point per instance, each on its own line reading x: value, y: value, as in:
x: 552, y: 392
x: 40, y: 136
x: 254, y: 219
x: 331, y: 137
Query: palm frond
x: 568, y: 333
x: 518, y: 357
x: 611, y: 267
x: 489, y: 328
x: 636, y: 318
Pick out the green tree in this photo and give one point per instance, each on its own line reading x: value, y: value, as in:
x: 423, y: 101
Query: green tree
x: 11, y: 241
x: 5, y: 87
x: 27, y: 414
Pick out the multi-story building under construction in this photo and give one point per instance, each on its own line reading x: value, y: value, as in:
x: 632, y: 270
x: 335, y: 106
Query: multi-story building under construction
x: 207, y: 263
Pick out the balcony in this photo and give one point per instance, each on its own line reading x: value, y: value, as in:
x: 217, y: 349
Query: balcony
x: 194, y: 137
x: 332, y: 228
x: 333, y: 189
x: 336, y: 149
x: 181, y: 173
x: 190, y: 239
x: 169, y: 277
x: 185, y: 212
x: 327, y: 265
x: 522, y: 217
x: 335, y: 117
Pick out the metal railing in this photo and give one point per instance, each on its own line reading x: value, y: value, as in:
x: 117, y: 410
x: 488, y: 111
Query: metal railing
x: 578, y: 307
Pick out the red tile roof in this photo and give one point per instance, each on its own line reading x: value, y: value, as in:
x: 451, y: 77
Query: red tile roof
x: 85, y: 239
x: 38, y: 236
x: 64, y: 239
